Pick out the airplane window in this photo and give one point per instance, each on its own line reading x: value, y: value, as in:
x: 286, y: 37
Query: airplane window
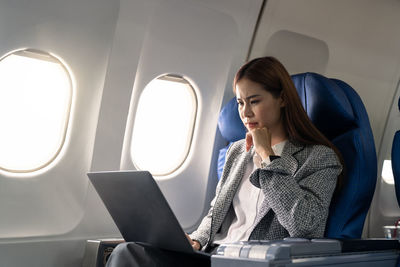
x: 35, y: 100
x: 387, y: 172
x: 163, y: 125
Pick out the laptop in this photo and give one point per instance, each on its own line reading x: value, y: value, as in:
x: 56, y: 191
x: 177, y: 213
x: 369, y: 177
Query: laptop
x: 140, y: 211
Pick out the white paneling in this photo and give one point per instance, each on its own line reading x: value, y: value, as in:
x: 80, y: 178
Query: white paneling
x: 52, y: 201
x: 298, y: 52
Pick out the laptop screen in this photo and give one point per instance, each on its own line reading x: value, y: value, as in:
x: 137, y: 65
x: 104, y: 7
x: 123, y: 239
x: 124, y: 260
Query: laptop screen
x: 139, y: 209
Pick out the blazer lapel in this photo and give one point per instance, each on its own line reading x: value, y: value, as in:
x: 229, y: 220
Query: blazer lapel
x: 288, y: 154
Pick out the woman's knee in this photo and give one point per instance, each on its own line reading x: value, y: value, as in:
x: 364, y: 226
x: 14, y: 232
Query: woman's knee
x: 125, y: 254
x: 121, y: 247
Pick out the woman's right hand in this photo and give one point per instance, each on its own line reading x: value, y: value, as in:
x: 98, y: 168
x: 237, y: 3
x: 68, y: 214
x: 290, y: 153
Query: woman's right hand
x: 195, y: 244
x: 260, y: 138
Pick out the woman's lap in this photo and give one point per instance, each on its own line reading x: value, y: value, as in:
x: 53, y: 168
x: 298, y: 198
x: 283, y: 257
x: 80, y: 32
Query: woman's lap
x: 135, y: 255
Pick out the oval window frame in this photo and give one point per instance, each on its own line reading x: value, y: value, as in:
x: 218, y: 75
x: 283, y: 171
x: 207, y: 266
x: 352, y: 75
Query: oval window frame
x: 50, y: 57
x: 186, y: 151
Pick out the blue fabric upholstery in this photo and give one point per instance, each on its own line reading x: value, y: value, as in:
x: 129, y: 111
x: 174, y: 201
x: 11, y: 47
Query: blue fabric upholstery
x: 329, y: 109
x: 232, y: 129
x: 338, y: 112
x: 396, y: 163
x: 229, y: 122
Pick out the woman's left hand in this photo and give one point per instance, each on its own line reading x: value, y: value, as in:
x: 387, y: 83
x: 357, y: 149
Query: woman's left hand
x: 260, y: 138
x: 195, y: 244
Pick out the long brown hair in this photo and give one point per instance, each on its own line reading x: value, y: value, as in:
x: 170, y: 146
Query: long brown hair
x: 272, y: 75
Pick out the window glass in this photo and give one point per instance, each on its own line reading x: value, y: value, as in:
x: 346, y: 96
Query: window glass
x: 35, y: 100
x: 387, y: 172
x: 163, y: 125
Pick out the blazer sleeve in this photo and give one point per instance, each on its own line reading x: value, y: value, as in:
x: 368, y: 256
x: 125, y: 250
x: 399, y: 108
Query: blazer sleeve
x: 203, y: 232
x: 300, y: 195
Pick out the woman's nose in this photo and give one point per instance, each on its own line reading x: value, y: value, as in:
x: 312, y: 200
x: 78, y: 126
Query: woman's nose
x: 247, y: 112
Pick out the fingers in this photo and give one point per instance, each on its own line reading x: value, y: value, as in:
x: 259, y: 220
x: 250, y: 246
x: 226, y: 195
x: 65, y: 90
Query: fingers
x: 249, y: 141
x: 260, y: 139
x: 190, y: 240
x: 195, y: 244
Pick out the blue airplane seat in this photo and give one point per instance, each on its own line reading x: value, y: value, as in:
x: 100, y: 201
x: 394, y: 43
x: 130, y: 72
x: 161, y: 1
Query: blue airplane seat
x: 232, y: 129
x: 338, y: 112
x: 396, y: 161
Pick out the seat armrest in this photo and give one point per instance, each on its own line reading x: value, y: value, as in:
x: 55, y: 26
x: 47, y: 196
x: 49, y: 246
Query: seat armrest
x: 97, y: 251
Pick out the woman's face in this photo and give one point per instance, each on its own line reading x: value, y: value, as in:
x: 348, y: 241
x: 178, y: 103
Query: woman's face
x: 258, y: 108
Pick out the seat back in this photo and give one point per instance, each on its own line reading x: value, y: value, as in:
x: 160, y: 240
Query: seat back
x: 232, y: 129
x: 396, y: 162
x: 338, y: 112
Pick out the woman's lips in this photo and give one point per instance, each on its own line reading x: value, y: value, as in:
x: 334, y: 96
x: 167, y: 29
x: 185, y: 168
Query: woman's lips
x: 252, y: 125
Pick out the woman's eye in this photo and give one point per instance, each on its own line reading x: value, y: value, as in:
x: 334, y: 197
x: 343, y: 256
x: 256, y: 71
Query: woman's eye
x: 254, y: 101
x: 240, y: 103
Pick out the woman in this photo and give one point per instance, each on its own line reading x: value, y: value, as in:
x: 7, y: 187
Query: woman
x: 278, y: 181
x: 289, y: 167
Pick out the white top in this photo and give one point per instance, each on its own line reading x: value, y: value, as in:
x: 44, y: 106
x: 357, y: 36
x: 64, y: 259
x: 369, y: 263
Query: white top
x: 246, y: 204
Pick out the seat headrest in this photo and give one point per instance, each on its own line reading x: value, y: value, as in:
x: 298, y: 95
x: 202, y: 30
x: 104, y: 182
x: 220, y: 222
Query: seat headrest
x: 396, y: 161
x: 396, y: 164
x: 229, y: 122
x: 325, y: 103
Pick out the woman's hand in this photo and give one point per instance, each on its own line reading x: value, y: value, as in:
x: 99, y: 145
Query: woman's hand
x: 195, y: 244
x: 260, y: 138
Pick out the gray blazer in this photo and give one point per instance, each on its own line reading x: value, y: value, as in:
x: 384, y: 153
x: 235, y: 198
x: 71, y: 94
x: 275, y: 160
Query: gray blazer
x: 298, y: 188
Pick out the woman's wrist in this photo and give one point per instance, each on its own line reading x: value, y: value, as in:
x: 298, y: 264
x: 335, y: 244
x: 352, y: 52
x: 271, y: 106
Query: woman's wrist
x: 265, y: 153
